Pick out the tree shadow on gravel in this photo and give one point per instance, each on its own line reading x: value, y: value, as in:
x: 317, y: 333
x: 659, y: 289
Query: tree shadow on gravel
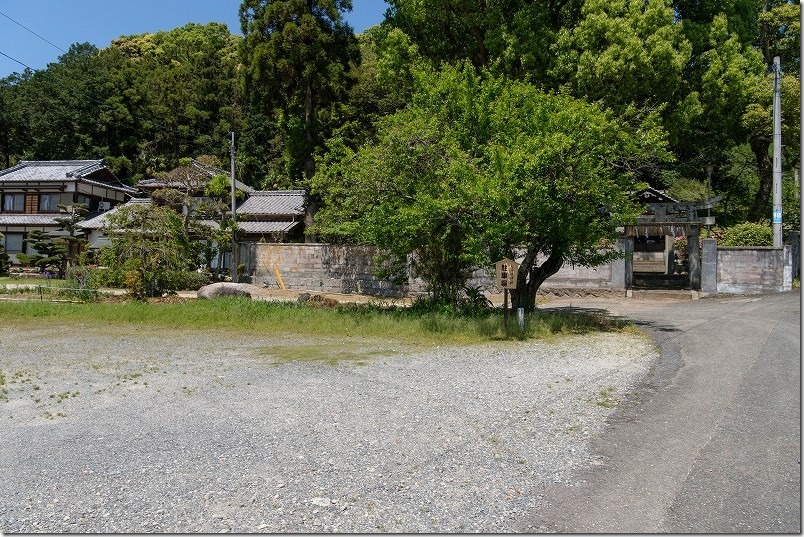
x: 602, y: 312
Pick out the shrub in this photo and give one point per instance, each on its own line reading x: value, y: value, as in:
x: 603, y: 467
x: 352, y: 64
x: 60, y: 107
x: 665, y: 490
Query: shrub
x: 748, y: 234
x: 178, y: 280
x: 140, y: 284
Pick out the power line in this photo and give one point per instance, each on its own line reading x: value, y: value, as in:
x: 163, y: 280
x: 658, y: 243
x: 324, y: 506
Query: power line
x: 15, y: 60
x: 36, y: 34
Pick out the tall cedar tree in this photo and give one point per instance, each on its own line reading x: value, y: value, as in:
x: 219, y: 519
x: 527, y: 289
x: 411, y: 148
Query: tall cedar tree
x: 296, y: 55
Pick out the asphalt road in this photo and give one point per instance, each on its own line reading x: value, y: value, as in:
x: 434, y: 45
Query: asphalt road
x: 712, y: 443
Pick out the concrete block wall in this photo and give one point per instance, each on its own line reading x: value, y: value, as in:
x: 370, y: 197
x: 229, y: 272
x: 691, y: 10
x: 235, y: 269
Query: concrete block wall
x: 325, y: 268
x: 600, y: 277
x: 332, y: 268
x: 754, y: 269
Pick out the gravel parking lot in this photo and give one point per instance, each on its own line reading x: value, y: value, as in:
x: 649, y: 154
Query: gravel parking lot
x: 143, y: 431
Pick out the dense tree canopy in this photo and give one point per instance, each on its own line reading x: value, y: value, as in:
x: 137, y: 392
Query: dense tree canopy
x: 476, y: 168
x: 296, y: 54
x: 299, y: 85
x: 143, y: 102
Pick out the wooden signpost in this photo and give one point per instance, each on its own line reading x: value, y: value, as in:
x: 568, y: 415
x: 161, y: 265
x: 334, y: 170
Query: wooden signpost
x: 506, y: 272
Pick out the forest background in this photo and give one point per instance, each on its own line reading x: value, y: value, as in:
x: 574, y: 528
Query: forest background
x: 148, y: 100
x: 301, y: 90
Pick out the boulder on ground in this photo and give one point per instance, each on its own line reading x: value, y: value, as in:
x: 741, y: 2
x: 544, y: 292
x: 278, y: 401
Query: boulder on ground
x: 215, y: 290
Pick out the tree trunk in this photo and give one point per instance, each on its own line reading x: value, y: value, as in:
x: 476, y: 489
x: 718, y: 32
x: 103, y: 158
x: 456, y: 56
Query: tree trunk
x: 759, y: 209
x: 530, y: 277
x: 309, y: 161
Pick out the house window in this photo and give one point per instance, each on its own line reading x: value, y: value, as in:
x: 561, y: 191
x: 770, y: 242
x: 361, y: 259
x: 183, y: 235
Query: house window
x: 48, y: 203
x: 14, y: 202
x: 13, y: 243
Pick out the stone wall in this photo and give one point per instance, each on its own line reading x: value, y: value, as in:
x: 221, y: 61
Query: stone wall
x: 331, y: 268
x: 754, y: 270
x: 325, y: 268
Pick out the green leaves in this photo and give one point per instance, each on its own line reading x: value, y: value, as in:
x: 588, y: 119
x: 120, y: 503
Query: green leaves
x: 623, y: 52
x: 295, y: 55
x: 478, y: 167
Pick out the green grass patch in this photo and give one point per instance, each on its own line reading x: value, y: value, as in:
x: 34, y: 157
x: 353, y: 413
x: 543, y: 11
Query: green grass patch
x: 273, y: 318
x: 53, y: 282
x: 334, y: 353
x: 606, y: 400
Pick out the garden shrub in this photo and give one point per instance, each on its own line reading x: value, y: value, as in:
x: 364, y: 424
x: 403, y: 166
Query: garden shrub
x: 139, y: 283
x: 747, y: 234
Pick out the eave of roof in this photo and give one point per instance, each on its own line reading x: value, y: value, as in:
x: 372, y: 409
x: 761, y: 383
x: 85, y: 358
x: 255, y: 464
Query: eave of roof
x: 272, y: 226
x: 54, y: 171
x: 661, y: 196
x: 273, y: 203
x: 29, y: 219
x: 120, y: 188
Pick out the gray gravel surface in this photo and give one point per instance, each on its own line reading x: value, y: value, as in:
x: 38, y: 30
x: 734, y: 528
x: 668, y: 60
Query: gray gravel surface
x: 141, y: 431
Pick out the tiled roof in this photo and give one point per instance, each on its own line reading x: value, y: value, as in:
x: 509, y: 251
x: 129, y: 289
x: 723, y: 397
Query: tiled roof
x: 273, y: 202
x: 210, y: 171
x: 98, y: 221
x: 51, y: 170
x: 272, y: 226
x: 28, y: 219
x: 60, y: 170
x: 266, y: 227
x: 153, y: 184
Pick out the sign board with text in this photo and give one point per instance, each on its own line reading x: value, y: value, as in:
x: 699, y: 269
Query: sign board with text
x: 506, y: 272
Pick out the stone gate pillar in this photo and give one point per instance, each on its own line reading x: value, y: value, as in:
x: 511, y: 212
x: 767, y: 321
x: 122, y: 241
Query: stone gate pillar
x: 694, y: 258
x: 628, y: 246
x: 709, y: 266
x: 621, y: 269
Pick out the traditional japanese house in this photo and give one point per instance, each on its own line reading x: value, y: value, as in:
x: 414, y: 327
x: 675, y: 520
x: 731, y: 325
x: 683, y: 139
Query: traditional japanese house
x: 31, y: 192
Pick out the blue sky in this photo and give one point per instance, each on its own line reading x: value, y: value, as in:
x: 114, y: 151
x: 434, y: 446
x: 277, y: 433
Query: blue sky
x: 64, y: 22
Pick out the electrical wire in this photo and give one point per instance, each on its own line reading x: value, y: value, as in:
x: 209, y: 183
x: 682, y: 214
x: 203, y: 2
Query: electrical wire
x: 36, y: 34
x: 15, y: 60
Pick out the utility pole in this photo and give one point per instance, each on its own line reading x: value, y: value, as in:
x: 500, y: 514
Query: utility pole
x: 235, y: 256
x: 777, y: 154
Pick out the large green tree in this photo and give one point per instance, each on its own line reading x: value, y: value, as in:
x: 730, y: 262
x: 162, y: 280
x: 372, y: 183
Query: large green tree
x: 628, y: 54
x: 172, y: 94
x: 295, y: 56
x: 509, y: 36
x: 478, y: 167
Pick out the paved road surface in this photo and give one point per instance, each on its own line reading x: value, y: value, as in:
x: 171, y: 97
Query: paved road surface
x: 713, y: 443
